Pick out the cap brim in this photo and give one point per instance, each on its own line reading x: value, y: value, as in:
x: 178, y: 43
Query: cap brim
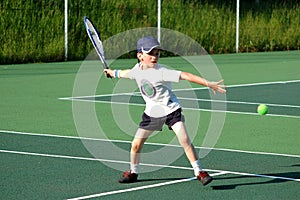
x: 149, y: 50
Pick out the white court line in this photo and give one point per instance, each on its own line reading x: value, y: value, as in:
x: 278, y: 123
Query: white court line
x: 180, y: 98
x: 200, y: 109
x: 133, y: 189
x: 142, y: 187
x: 148, y: 143
x: 219, y: 172
x: 245, y: 85
x: 264, y: 83
x: 82, y: 99
x: 187, y: 89
x: 240, y: 102
x: 143, y: 164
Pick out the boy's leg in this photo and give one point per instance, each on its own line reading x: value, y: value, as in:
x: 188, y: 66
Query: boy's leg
x: 181, y: 132
x: 184, y: 140
x: 135, y: 155
x: 136, y: 148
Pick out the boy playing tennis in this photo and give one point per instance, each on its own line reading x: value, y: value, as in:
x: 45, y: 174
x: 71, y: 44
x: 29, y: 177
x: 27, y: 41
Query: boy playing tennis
x: 162, y: 106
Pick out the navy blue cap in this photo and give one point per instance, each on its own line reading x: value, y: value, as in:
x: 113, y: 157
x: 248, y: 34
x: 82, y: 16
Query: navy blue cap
x: 147, y: 44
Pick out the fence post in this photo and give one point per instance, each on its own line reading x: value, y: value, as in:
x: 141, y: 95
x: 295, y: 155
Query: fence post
x: 66, y: 30
x: 158, y: 19
x: 237, y: 25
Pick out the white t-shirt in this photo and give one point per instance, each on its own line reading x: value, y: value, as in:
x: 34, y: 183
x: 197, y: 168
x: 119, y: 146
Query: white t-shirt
x: 155, y: 85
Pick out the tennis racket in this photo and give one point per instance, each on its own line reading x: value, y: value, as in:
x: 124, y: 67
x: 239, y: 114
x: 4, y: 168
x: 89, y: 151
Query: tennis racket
x: 96, y: 41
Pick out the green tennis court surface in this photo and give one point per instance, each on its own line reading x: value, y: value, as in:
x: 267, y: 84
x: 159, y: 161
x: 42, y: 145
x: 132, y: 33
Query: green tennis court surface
x: 52, y: 167
x: 255, y: 157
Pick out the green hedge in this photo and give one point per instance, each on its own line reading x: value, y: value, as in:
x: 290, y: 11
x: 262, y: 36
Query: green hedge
x: 33, y: 30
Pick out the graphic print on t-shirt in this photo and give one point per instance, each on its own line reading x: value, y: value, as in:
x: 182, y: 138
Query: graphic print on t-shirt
x: 147, y: 88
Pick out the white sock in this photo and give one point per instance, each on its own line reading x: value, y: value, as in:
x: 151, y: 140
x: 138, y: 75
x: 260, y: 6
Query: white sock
x: 196, y: 166
x: 134, y: 168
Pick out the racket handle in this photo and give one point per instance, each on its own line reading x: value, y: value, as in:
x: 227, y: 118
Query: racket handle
x: 107, y: 75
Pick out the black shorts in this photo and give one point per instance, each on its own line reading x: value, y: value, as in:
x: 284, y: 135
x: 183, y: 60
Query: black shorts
x: 156, y: 124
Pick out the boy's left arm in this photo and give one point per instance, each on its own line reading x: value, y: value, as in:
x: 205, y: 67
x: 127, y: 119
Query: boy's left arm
x: 215, y: 86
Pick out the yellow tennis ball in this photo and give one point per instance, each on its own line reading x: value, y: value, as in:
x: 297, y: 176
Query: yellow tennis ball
x: 262, y: 109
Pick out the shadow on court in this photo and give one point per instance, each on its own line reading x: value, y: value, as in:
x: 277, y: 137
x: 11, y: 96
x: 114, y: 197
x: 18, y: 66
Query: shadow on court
x: 244, y: 180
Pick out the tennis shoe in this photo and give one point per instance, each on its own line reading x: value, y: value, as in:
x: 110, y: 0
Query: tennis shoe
x: 204, y: 178
x: 128, y: 177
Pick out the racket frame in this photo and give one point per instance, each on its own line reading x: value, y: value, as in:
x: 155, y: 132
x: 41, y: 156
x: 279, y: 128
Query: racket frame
x: 99, y: 49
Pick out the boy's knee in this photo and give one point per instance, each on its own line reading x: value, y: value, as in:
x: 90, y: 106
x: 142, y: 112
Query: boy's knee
x: 186, y: 143
x: 136, y: 147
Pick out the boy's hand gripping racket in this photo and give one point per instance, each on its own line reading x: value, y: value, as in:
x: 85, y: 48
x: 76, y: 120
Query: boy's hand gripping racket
x: 96, y: 41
